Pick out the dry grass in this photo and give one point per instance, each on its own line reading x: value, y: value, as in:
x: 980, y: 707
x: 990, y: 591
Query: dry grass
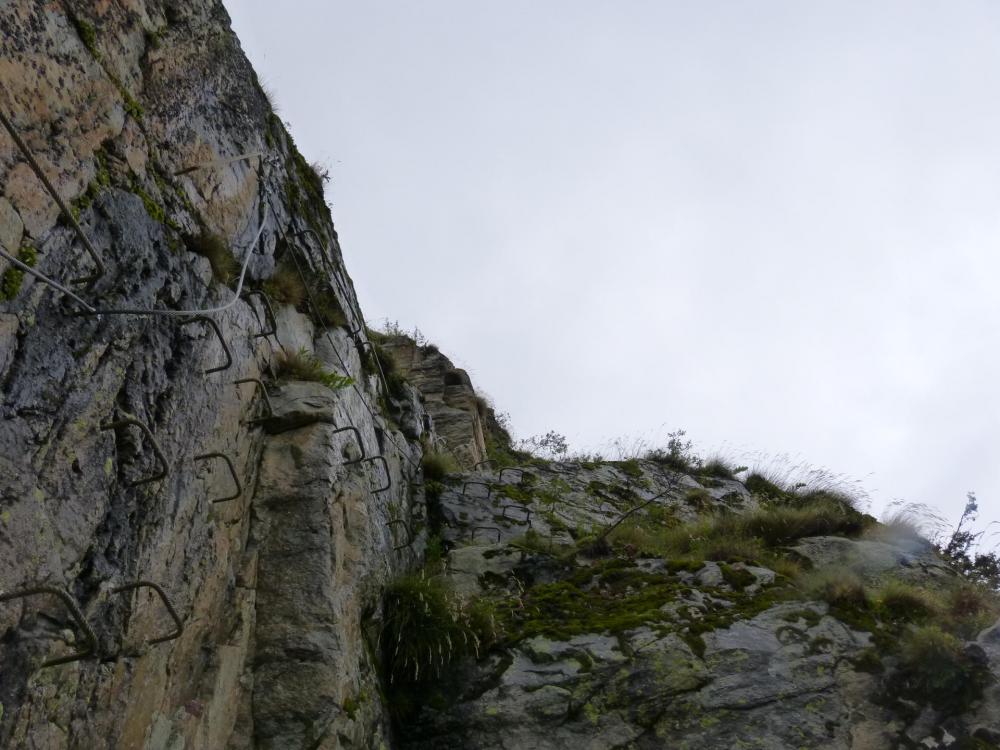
x: 285, y: 286
x: 211, y: 246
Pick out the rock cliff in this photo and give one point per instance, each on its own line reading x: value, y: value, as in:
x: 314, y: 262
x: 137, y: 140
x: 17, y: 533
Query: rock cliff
x: 231, y: 516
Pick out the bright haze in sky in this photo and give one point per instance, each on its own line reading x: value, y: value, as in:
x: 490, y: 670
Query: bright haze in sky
x: 772, y: 224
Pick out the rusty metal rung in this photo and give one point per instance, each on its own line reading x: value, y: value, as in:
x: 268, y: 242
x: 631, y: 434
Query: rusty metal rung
x: 409, y: 533
x: 178, y: 623
x: 75, y: 613
x: 488, y: 462
x: 157, y: 451
x: 232, y: 471
x: 218, y: 332
x: 487, y: 485
x: 472, y: 538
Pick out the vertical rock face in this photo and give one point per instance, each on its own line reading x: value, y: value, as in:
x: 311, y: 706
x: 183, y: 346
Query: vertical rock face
x: 204, y: 494
x: 461, y: 419
x: 147, y: 119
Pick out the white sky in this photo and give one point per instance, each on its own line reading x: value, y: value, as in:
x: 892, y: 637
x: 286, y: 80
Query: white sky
x: 773, y: 224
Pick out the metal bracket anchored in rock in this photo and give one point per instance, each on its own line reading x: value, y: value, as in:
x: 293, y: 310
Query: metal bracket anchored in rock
x: 218, y: 332
x: 487, y: 462
x: 262, y: 389
x: 487, y: 485
x: 409, y: 533
x: 265, y: 303
x: 178, y: 623
x: 523, y: 508
x: 75, y: 613
x: 232, y: 472
x: 361, y: 446
x: 369, y: 459
x: 475, y: 529
x: 157, y: 451
x: 511, y: 468
x: 67, y: 214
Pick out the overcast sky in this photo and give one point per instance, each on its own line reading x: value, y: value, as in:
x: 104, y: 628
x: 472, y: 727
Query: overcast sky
x: 772, y: 224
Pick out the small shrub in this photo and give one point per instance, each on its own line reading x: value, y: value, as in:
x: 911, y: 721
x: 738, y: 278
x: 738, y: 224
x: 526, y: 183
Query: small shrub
x: 301, y: 365
x: 934, y: 669
x: 211, y: 246
x: 438, y: 465
x: 285, y: 286
x: 678, y: 455
x: 970, y: 607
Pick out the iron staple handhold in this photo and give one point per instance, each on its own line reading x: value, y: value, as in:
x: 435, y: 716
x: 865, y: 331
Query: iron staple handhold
x: 263, y: 391
x: 525, y: 508
x: 157, y: 451
x: 218, y: 332
x: 357, y: 436
x: 265, y: 302
x: 472, y: 538
x: 488, y: 462
x: 385, y: 464
x: 511, y: 468
x: 409, y: 533
x: 178, y: 622
x: 232, y: 471
x: 75, y: 613
x: 487, y: 485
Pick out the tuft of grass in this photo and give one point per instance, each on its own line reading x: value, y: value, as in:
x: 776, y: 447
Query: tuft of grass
x: 211, y: 246
x: 839, y: 587
x: 438, y: 465
x: 934, y: 669
x: 328, y: 309
x: 719, y: 468
x: 285, y: 286
x: 301, y: 365
x: 760, y: 485
x: 426, y: 628
x: 903, y: 601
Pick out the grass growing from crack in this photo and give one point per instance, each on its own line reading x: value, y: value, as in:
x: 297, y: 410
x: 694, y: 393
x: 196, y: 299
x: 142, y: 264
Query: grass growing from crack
x: 211, y: 246
x: 300, y: 365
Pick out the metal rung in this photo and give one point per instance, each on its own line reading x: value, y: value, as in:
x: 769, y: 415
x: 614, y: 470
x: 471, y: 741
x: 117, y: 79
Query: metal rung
x: 265, y: 302
x: 524, y: 508
x: 232, y: 471
x: 157, y: 451
x: 511, y: 468
x: 361, y: 445
x: 409, y: 533
x: 225, y: 347
x: 74, y: 612
x: 262, y: 389
x: 178, y: 623
x: 487, y: 462
x: 487, y: 485
x: 472, y: 538
x: 369, y: 459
